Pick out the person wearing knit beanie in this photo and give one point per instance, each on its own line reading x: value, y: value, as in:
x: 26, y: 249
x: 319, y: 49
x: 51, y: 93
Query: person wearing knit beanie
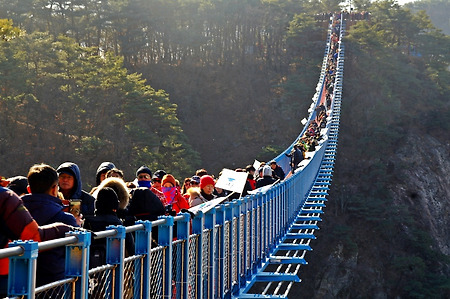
x: 143, y: 169
x: 204, y: 193
x: 168, y: 178
x: 206, y: 180
x: 144, y: 177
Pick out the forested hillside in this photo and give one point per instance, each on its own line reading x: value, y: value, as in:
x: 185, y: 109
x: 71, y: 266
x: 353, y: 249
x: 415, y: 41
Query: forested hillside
x: 183, y: 84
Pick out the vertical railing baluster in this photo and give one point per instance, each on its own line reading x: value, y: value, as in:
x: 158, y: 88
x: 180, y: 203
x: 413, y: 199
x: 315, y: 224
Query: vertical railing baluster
x: 245, y: 214
x: 220, y: 220
x: 260, y: 235
x: 165, y: 238
x: 115, y: 255
x: 197, y: 228
x: 143, y: 246
x: 237, y: 254
x: 210, y: 222
x: 22, y: 270
x: 229, y: 254
x: 183, y: 234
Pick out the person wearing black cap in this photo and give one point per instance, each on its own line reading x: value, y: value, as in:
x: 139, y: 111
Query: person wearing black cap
x: 71, y: 187
x: 18, y: 184
x: 144, y: 179
x: 157, y: 178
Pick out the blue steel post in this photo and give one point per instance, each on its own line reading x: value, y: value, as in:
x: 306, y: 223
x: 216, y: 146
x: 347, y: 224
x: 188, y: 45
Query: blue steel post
x: 275, y: 216
x: 245, y: 214
x: 265, y: 225
x: 260, y: 235
x: 229, y: 254
x: 220, y: 220
x: 22, y: 270
x: 197, y: 228
x: 183, y: 234
x: 143, y: 245
x: 251, y: 247
x: 210, y: 222
x: 115, y: 255
x: 165, y: 238
x: 77, y: 262
x: 237, y: 253
x: 270, y: 218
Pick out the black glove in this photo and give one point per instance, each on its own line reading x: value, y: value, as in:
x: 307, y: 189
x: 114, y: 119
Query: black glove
x: 187, y: 211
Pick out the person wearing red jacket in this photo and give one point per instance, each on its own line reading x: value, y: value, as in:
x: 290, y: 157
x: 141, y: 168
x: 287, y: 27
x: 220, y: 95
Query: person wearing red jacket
x: 174, y: 199
x: 17, y: 223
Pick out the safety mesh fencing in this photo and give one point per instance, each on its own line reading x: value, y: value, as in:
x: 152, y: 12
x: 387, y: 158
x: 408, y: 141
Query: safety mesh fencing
x: 177, y: 269
x: 132, y: 286
x: 235, y: 237
x: 62, y: 289
x: 206, y: 269
x: 217, y: 249
x: 156, y: 272
x: 226, y: 274
x: 100, y: 282
x: 253, y: 232
x: 242, y: 242
x: 248, y: 240
x: 192, y: 279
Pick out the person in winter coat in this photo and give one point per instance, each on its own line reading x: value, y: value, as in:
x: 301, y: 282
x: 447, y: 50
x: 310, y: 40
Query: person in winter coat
x: 102, y: 170
x: 70, y: 186
x: 144, y: 179
x: 18, y: 184
x: 266, y: 178
x: 173, y: 196
x: 296, y: 156
x: 46, y: 208
x: 278, y: 171
x: 17, y: 223
x: 204, y: 193
x: 120, y: 187
x: 106, y: 207
x: 100, y: 175
x: 250, y: 169
x: 145, y: 205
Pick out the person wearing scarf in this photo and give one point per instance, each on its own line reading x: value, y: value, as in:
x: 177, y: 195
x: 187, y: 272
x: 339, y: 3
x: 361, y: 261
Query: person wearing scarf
x: 172, y: 194
x: 204, y: 193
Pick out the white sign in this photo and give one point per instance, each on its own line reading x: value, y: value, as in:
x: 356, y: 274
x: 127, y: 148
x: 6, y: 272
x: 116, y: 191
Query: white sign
x: 256, y: 164
x: 232, y: 181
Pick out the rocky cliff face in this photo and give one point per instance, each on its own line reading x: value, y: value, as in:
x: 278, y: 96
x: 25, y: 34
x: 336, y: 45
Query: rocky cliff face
x: 425, y: 185
x: 355, y: 257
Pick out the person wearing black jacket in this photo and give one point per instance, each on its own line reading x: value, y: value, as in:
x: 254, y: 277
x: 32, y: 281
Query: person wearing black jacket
x: 106, y: 206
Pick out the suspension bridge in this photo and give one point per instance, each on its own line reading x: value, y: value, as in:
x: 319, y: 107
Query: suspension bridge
x: 252, y: 247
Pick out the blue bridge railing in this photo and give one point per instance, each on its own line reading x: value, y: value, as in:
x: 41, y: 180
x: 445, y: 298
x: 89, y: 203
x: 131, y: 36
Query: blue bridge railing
x: 248, y: 248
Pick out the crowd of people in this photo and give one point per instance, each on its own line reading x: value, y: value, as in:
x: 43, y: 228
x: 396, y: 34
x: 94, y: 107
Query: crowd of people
x: 49, y: 202
x: 312, y: 135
